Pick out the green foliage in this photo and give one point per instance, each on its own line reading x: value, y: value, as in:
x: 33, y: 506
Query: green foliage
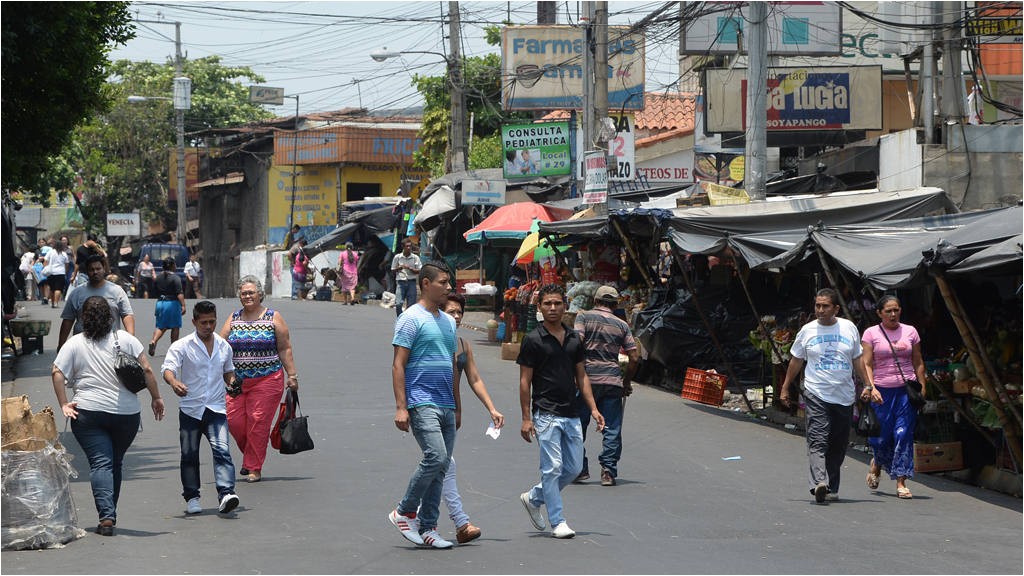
x: 486, y: 152
x: 125, y: 155
x: 482, y: 80
x: 54, y: 66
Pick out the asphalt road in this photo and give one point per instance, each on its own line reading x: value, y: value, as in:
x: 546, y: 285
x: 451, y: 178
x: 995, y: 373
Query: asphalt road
x: 680, y: 506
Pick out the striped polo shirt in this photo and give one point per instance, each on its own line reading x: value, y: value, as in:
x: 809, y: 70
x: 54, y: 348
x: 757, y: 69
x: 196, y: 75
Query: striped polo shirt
x: 431, y: 343
x: 603, y: 337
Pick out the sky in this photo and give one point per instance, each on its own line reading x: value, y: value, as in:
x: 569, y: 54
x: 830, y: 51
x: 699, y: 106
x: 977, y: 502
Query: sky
x: 321, y: 50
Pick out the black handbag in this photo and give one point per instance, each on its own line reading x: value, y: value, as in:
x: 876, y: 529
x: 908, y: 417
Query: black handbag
x: 128, y: 369
x: 868, y: 425
x: 914, y: 388
x: 294, y: 432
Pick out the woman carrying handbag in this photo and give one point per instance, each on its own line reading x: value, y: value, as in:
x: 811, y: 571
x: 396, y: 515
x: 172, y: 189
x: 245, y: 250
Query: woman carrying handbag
x: 889, y: 347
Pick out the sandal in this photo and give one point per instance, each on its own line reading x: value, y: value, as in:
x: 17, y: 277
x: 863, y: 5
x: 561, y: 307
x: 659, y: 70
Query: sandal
x: 872, y: 481
x: 904, y: 493
x: 254, y: 476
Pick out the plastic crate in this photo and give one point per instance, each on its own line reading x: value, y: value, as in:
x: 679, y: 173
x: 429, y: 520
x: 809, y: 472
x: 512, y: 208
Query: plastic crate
x: 703, y: 386
x: 719, y: 195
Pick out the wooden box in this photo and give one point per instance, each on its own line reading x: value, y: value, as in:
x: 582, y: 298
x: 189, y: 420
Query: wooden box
x: 510, y: 351
x: 938, y: 457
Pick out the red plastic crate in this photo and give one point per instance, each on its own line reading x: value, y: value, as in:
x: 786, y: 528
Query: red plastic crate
x: 704, y: 387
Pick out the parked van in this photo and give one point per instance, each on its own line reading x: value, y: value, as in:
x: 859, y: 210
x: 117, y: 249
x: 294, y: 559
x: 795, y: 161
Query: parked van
x: 159, y: 252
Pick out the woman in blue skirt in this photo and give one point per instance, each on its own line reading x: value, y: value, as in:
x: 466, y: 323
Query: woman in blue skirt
x: 892, y: 352
x: 170, y: 305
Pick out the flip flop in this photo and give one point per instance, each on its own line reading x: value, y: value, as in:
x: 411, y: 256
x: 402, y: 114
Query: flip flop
x: 872, y: 481
x: 904, y: 494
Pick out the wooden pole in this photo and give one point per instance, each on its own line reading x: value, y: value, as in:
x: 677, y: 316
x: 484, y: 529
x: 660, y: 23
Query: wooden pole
x: 831, y: 277
x: 1010, y: 428
x: 632, y: 253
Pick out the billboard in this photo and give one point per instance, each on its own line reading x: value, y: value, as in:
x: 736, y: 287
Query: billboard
x: 794, y: 28
x: 622, y: 146
x: 832, y: 98
x: 595, y: 184
x: 543, y: 66
x: 536, y: 149
x: 123, y: 224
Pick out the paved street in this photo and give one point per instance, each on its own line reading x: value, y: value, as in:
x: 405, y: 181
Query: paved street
x: 679, y: 506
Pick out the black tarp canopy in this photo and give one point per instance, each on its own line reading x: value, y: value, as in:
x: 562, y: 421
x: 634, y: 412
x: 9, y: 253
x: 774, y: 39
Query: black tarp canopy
x: 375, y: 221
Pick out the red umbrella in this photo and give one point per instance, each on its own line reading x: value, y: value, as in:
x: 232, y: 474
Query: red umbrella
x: 512, y: 222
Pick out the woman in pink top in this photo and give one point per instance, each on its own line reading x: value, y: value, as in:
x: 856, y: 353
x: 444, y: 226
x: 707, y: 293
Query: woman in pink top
x: 348, y: 263
x: 894, y: 448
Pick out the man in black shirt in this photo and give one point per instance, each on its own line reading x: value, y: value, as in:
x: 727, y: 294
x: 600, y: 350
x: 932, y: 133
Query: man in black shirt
x: 551, y: 363
x: 79, y: 274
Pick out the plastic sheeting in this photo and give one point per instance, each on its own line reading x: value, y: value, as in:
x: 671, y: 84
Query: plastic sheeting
x: 37, y: 508
x: 672, y: 333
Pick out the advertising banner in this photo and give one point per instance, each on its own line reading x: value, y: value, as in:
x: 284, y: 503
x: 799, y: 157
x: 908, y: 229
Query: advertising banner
x: 536, y: 149
x: 483, y: 192
x: 595, y: 189
x: 622, y: 146
x: 795, y: 28
x: 834, y: 98
x: 124, y: 224
x: 543, y: 66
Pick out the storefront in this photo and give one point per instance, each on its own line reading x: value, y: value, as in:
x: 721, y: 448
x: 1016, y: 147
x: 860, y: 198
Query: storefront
x: 342, y: 162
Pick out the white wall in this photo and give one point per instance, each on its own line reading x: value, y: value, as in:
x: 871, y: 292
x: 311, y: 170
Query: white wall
x: 899, y: 161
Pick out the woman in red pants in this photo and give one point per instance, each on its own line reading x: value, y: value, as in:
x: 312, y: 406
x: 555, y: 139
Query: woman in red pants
x: 259, y: 338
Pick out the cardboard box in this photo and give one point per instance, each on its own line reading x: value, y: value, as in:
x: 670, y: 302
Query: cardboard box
x: 338, y: 297
x: 510, y: 351
x: 938, y: 457
x: 21, y: 429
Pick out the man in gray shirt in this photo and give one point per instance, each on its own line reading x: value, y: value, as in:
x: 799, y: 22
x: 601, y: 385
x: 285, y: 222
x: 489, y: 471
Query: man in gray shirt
x: 120, y: 307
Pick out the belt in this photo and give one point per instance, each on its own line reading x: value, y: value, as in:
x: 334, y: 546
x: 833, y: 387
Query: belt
x: 166, y: 298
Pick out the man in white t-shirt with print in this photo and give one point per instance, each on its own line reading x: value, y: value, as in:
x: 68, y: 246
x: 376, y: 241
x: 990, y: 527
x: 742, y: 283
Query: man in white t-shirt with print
x: 830, y: 349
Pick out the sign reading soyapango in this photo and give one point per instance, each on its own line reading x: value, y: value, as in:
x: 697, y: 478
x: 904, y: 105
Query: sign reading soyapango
x: 835, y: 98
x: 544, y: 68
x: 536, y: 149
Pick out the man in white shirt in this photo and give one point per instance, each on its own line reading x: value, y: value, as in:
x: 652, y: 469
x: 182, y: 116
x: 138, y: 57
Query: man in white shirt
x: 830, y: 349
x: 199, y: 368
x: 192, y: 275
x: 406, y: 266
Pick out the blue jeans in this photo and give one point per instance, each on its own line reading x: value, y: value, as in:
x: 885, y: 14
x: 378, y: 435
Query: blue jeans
x: 609, y: 404
x: 452, y: 499
x: 404, y: 293
x: 215, y: 427
x: 561, y: 458
x: 298, y: 281
x: 105, y: 437
x: 894, y: 448
x: 434, y: 430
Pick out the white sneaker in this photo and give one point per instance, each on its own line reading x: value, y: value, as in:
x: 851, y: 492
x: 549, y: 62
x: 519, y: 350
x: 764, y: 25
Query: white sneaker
x: 409, y: 527
x: 562, y: 531
x: 534, y: 511
x: 228, y: 503
x: 194, y: 507
x: 832, y: 497
x: 432, y: 538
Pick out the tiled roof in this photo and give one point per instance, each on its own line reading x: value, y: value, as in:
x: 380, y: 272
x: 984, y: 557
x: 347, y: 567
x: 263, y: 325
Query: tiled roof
x: 662, y: 112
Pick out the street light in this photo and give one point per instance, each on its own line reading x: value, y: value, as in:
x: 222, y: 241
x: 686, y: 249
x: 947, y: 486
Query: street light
x: 182, y: 101
x: 458, y: 99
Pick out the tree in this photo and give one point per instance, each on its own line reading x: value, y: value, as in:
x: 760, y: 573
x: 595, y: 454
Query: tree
x: 122, y: 157
x: 482, y: 80
x: 53, y: 72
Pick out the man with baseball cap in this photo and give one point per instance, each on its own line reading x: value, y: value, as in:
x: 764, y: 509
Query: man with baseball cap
x: 604, y: 335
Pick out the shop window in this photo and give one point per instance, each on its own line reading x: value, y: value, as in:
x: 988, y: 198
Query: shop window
x: 358, y: 191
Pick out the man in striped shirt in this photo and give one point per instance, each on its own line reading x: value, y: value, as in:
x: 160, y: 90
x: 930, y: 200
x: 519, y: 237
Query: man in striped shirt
x: 604, y: 335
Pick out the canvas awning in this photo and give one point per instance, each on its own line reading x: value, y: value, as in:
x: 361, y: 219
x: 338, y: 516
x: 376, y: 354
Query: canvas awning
x: 511, y: 223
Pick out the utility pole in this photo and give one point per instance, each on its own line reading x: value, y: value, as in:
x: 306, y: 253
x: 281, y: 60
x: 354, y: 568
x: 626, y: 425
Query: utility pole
x: 600, y: 26
x: 928, y: 90
x: 547, y: 12
x: 459, y: 157
x: 756, y: 160
x: 179, y: 124
x: 953, y: 89
x: 587, y: 20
